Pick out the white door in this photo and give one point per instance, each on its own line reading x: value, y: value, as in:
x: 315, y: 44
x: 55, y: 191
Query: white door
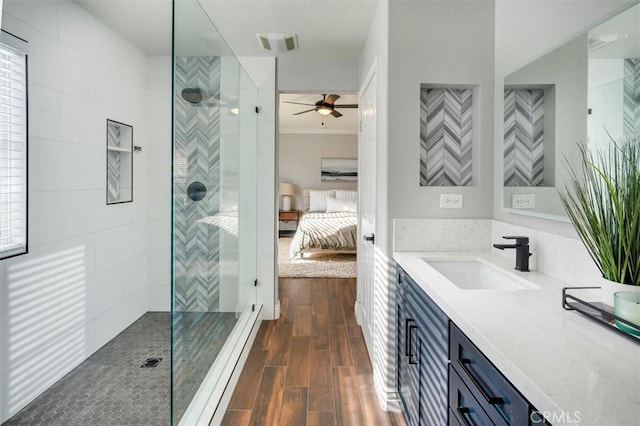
x: 367, y: 206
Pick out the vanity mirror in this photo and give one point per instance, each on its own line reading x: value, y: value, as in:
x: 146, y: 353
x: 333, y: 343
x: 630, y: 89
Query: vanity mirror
x: 577, y: 93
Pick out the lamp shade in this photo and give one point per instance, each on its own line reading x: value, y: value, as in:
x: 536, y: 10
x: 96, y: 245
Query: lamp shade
x: 287, y: 188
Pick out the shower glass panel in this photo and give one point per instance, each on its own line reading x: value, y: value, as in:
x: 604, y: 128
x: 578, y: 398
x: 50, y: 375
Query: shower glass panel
x: 214, y: 210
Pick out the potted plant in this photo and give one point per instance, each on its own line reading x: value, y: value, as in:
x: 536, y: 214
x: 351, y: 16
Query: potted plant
x: 602, y: 199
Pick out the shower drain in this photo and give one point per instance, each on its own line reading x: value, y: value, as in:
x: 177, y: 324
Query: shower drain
x: 151, y: 362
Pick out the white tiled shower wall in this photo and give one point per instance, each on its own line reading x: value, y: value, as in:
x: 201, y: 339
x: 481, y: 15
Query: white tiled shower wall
x: 86, y: 275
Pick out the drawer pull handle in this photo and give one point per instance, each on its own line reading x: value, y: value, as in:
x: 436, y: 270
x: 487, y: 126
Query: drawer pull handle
x: 407, y: 336
x: 493, y: 400
x: 462, y: 413
x: 411, y: 328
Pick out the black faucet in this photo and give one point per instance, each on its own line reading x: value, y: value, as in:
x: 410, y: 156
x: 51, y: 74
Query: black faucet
x: 522, y: 251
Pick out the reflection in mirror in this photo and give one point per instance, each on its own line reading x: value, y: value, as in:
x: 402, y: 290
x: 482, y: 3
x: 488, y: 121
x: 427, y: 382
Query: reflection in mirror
x: 545, y: 105
x: 614, y: 79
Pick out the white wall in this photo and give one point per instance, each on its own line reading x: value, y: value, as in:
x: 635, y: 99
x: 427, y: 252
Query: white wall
x: 85, y: 277
x: 375, y: 56
x: 440, y: 43
x: 300, y: 156
x: 299, y: 73
x: 263, y: 74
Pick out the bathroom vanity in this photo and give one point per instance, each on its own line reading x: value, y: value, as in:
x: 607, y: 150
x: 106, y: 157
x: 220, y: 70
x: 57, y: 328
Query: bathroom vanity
x: 504, y: 353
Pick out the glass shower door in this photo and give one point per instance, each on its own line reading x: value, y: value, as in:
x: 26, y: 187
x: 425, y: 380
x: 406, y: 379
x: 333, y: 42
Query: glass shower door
x: 214, y: 210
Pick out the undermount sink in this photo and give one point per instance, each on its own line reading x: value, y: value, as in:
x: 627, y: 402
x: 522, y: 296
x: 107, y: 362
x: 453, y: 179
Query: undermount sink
x: 478, y: 275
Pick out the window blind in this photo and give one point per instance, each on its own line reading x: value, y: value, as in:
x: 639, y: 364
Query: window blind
x: 13, y: 151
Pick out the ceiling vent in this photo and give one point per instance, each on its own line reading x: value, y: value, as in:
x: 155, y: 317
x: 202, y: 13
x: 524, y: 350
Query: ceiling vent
x: 276, y: 42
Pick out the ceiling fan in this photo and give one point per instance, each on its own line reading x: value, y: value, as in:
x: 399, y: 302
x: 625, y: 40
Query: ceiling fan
x: 325, y: 106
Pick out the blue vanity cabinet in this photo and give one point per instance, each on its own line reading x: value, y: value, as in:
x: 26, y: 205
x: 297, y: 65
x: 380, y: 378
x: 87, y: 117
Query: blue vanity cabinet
x: 442, y: 377
x: 422, y: 354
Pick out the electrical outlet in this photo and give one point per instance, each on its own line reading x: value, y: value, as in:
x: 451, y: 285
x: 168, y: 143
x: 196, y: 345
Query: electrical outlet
x: 450, y: 201
x: 523, y: 201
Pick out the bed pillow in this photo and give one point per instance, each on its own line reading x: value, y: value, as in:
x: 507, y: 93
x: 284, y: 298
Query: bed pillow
x: 346, y: 195
x: 335, y: 205
x: 318, y: 199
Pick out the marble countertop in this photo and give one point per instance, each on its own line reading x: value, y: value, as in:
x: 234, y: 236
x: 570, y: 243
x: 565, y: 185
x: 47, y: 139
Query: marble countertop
x: 570, y: 368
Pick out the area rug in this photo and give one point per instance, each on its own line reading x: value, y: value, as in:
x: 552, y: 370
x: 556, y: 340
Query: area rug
x: 327, y: 265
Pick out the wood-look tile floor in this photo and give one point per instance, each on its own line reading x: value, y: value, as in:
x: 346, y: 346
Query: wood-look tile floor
x: 310, y: 366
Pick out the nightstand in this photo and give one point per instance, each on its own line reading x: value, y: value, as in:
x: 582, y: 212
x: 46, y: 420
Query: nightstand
x: 286, y: 217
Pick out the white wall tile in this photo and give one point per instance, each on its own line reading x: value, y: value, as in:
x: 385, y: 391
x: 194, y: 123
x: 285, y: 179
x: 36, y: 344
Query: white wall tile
x: 114, y: 320
x: 77, y: 74
x: 44, y: 112
x: 38, y: 16
x: 43, y: 218
x: 159, y: 72
x: 104, y: 291
x: 159, y: 269
x: 267, y: 104
x: 159, y: 298
x: 60, y: 166
x: 158, y: 139
x: 81, y: 122
x: 135, y: 275
x: 118, y: 245
x: 80, y: 212
x: 159, y: 170
x: 159, y: 236
x: 266, y: 172
x: 159, y: 203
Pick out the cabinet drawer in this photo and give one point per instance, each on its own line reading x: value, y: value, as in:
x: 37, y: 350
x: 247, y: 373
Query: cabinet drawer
x: 290, y: 215
x: 464, y: 408
x: 497, y: 397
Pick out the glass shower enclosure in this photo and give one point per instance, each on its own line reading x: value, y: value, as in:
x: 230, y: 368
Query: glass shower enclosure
x: 213, y: 213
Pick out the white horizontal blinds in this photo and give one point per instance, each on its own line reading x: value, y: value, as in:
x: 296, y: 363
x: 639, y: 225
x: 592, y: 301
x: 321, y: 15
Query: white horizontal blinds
x: 13, y: 151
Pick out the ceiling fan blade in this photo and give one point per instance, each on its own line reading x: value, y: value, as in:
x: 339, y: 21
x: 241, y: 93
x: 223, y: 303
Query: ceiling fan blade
x: 302, y: 112
x: 336, y: 114
x: 331, y: 98
x: 346, y: 106
x: 297, y: 103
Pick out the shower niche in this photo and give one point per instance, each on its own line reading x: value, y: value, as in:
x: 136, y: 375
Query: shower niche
x: 119, y: 162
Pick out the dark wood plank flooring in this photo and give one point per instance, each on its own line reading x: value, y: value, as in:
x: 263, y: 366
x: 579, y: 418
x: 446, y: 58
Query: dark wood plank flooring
x: 310, y: 366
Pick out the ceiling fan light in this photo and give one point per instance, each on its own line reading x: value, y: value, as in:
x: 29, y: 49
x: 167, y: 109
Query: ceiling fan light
x: 323, y: 110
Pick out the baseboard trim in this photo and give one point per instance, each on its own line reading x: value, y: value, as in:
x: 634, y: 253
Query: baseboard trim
x: 388, y: 398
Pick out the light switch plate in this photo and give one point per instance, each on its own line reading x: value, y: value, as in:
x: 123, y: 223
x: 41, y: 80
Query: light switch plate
x: 451, y: 201
x: 523, y: 201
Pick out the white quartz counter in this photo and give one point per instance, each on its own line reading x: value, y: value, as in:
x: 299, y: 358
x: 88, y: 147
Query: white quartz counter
x: 570, y: 368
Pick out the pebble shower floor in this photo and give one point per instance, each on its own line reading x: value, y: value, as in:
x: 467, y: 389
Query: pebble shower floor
x: 110, y: 389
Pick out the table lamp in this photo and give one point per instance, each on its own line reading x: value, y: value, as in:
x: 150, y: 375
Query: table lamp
x: 287, y: 189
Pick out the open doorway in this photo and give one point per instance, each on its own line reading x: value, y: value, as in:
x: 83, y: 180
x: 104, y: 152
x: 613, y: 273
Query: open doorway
x: 317, y: 163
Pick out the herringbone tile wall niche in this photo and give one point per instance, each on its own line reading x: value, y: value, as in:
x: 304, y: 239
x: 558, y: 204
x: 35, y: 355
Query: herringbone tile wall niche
x: 523, y: 137
x: 630, y: 106
x: 446, y: 136
x: 196, y: 159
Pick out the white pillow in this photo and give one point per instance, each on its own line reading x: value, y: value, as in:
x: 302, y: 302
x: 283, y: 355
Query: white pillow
x: 335, y: 205
x: 347, y: 195
x: 318, y: 199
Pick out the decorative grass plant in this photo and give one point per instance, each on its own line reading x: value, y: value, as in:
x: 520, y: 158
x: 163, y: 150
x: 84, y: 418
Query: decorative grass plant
x: 602, y: 199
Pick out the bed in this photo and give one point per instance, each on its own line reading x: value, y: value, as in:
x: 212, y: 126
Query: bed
x: 328, y: 223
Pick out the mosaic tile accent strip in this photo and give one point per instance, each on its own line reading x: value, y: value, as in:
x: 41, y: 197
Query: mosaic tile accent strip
x: 630, y: 106
x: 523, y: 137
x: 113, y: 163
x: 446, y: 124
x: 196, y: 158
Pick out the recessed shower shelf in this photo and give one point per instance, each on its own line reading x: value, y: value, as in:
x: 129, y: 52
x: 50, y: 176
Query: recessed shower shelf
x: 117, y: 149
